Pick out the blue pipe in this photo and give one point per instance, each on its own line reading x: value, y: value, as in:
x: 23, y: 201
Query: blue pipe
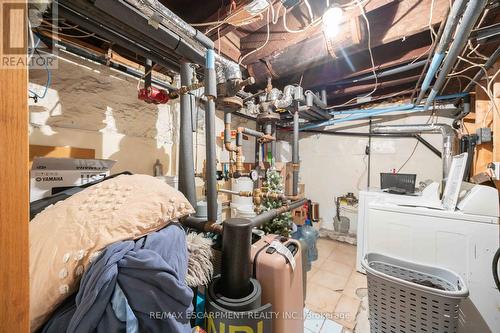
x: 437, y: 59
x: 366, y: 114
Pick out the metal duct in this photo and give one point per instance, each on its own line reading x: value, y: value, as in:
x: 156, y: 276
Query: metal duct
x: 286, y: 99
x: 230, y: 69
x: 449, y: 138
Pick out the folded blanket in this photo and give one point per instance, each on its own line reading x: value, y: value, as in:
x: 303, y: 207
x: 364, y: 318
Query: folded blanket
x: 146, y: 276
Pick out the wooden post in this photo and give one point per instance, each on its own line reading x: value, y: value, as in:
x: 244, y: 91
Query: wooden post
x: 14, y: 187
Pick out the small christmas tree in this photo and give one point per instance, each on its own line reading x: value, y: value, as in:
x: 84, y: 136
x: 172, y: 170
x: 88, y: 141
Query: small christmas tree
x: 282, y: 224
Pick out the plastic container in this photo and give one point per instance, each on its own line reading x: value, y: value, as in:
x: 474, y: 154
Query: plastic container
x: 173, y: 181
x: 412, y: 298
x: 310, y: 236
x: 202, y: 210
x: 242, y: 184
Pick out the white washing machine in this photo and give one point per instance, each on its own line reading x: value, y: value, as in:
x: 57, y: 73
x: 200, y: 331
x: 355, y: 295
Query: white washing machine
x: 462, y: 242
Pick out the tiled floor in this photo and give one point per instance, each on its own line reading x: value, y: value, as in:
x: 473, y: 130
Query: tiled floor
x: 334, y: 290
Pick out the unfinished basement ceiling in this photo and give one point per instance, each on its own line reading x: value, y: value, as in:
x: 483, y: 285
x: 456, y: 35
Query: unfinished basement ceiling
x: 398, y: 33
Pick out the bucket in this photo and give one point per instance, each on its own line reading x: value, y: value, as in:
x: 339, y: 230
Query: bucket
x: 173, y: 181
x: 202, y: 210
x: 242, y: 184
x: 243, y: 211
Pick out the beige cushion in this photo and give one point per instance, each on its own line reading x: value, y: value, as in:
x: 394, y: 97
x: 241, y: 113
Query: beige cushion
x: 65, y: 237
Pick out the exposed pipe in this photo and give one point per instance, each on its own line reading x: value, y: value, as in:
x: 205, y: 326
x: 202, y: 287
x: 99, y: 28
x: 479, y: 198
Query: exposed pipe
x: 211, y: 165
x: 378, y: 135
x: 451, y: 22
x: 73, y: 49
x: 295, y: 152
x: 267, y: 216
x: 439, y: 35
x: 186, y: 161
x: 163, y: 32
x: 286, y: 99
x: 384, y: 73
x: 312, y: 99
x: 158, y: 13
x: 235, y: 271
x: 471, y: 15
x: 449, y: 138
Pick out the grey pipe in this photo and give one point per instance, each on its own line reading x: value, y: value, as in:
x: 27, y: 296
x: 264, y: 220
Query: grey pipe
x: 252, y: 132
x: 235, y: 270
x: 267, y: 216
x: 156, y: 11
x: 451, y: 22
x: 446, y: 37
x: 227, y: 123
x: 211, y: 163
x: 449, y: 138
x: 295, y: 153
x: 312, y: 99
x: 324, y: 97
x: 186, y: 161
x: 273, y: 144
x: 384, y: 73
x: 469, y: 19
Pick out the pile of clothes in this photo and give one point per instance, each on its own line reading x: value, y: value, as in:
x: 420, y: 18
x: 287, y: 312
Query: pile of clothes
x: 114, y: 258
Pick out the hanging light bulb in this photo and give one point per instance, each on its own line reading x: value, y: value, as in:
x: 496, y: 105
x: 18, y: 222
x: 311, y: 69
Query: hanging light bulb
x: 331, y: 21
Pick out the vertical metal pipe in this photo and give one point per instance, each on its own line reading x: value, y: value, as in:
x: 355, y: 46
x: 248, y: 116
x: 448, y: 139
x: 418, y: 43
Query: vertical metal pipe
x: 211, y: 164
x: 227, y: 127
x: 235, y: 271
x: 186, y: 161
x: 471, y: 15
x: 295, y: 152
x: 273, y: 143
x: 324, y: 98
x: 369, y: 152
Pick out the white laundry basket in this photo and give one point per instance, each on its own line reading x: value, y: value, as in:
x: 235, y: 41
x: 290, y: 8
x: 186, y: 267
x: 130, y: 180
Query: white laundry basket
x: 406, y: 297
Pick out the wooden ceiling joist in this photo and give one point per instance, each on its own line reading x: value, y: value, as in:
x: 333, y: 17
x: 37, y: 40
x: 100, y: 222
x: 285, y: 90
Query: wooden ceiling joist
x: 398, y: 20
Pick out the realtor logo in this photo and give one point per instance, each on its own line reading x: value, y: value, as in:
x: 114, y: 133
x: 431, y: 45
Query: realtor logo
x: 26, y: 29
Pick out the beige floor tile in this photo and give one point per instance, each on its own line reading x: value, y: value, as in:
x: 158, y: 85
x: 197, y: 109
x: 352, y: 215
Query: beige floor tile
x: 313, y: 271
x: 356, y: 281
x: 320, y: 299
x: 325, y: 247
x: 345, y: 247
x: 329, y: 280
x: 336, y: 267
x: 346, y: 311
x: 343, y: 257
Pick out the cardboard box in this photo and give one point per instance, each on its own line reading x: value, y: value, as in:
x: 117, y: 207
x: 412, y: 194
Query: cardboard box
x: 52, y: 175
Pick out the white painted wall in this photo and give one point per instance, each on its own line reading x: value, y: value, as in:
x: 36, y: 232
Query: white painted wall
x: 331, y: 166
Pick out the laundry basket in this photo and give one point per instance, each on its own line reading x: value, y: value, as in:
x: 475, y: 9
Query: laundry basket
x: 406, y: 297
